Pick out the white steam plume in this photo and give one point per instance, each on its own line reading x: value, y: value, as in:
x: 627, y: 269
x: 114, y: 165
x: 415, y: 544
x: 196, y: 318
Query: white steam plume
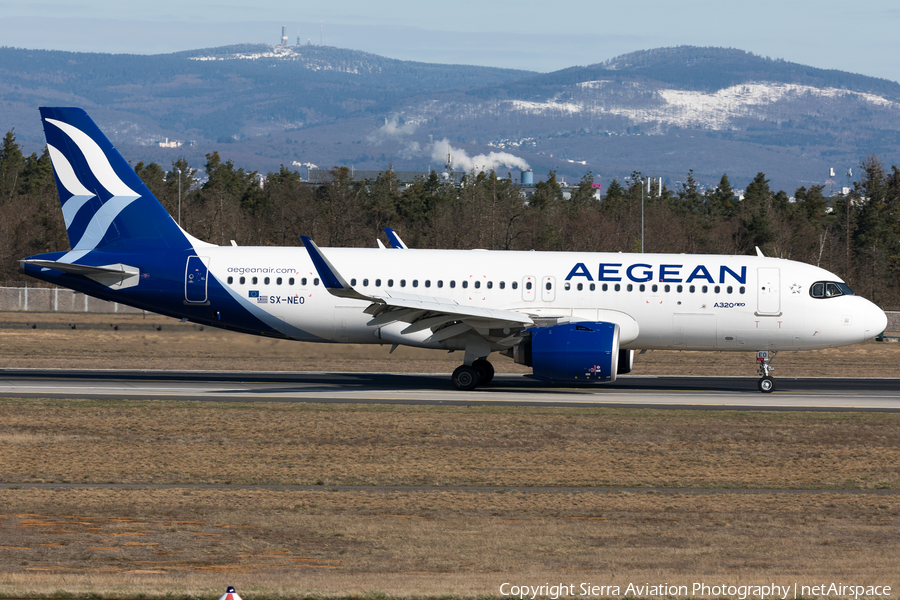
x: 480, y: 162
x: 391, y: 129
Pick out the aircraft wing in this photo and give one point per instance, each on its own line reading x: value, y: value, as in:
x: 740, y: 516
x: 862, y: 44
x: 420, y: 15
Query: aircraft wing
x: 445, y: 317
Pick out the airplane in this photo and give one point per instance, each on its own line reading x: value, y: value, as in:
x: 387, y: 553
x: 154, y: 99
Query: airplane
x: 574, y: 317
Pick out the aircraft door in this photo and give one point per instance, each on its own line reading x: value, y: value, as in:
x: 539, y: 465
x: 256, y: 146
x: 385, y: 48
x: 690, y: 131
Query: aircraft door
x: 768, y: 289
x: 196, y: 274
x: 529, y: 285
x: 548, y: 289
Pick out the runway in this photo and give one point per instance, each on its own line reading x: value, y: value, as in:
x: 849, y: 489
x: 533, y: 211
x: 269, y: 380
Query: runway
x: 708, y: 393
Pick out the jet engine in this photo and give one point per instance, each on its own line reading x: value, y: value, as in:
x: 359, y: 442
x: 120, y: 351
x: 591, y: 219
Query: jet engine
x: 572, y: 352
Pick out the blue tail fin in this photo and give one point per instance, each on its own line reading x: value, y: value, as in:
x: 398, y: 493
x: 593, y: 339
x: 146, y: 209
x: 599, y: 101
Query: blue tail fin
x: 104, y: 202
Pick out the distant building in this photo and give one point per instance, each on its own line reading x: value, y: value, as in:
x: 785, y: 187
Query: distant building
x: 405, y: 178
x: 172, y: 144
x: 526, y: 183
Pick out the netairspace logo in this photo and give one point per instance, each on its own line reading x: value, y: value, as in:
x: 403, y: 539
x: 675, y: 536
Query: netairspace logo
x: 793, y: 591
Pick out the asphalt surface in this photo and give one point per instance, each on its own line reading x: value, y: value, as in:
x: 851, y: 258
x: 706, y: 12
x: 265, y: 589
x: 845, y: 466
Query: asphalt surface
x: 710, y: 393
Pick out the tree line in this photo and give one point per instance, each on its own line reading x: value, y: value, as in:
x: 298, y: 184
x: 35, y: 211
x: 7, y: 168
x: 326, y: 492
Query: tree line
x: 856, y: 236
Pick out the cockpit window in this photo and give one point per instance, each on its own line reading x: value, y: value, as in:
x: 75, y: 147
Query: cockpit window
x: 830, y: 289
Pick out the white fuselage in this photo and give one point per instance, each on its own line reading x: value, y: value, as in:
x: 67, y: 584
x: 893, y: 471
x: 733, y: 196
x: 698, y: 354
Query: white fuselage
x: 660, y: 301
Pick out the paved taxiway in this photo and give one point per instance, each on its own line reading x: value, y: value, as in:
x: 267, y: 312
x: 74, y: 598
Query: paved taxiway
x: 629, y: 391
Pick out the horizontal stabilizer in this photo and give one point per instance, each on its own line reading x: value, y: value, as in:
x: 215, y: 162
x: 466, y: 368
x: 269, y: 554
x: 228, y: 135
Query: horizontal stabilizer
x: 115, y: 276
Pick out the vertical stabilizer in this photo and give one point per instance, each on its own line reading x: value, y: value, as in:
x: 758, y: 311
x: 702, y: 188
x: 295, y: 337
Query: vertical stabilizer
x: 104, y: 203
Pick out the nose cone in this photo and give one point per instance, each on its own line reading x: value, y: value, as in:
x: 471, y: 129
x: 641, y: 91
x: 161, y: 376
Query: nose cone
x: 875, y: 321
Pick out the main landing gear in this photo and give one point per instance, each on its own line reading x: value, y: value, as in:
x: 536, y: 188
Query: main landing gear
x: 766, y: 384
x: 466, y: 378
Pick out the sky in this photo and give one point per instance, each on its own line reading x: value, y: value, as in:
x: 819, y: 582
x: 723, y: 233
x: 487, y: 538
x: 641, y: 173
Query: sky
x: 526, y: 34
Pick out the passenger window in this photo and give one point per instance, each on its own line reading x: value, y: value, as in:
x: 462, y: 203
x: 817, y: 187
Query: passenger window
x: 692, y: 289
x: 390, y: 283
x: 490, y: 285
x: 705, y: 289
x: 452, y: 283
x: 549, y: 286
x: 377, y: 283
x: 643, y: 288
x: 266, y: 281
x: 717, y: 289
x: 278, y: 281
x: 618, y: 287
x: 629, y: 287
x: 515, y: 285
x: 291, y: 281
x: 679, y: 289
x: 316, y: 281
x: 477, y: 285
x: 667, y: 288
x: 230, y: 279
x: 254, y: 280
x: 502, y: 285
x: 743, y: 289
x: 654, y: 288
x: 243, y: 280
x: 402, y: 283
x: 365, y: 283
x: 465, y: 284
x: 415, y: 283
x: 580, y: 286
x: 440, y: 283
x: 303, y: 281
x: 528, y: 285
x: 729, y: 289
x: 428, y: 283
x: 593, y: 287
x: 605, y: 287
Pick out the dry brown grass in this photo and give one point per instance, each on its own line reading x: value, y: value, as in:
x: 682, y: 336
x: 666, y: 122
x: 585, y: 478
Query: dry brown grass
x: 344, y: 444
x: 130, y: 541
x: 193, y: 541
x: 139, y: 345
x: 438, y: 543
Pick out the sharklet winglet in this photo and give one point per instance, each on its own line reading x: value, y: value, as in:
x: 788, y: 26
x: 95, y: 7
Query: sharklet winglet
x: 395, y: 240
x: 331, y: 278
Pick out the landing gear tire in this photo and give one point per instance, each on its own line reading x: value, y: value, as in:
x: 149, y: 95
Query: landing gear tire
x: 766, y: 384
x: 465, y: 378
x: 485, y: 371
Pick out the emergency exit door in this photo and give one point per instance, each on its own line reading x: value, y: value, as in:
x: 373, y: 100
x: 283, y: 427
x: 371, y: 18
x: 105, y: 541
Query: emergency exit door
x: 768, y: 291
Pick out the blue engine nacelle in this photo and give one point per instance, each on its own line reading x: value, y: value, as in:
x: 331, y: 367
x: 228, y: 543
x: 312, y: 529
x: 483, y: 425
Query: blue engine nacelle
x: 573, y: 352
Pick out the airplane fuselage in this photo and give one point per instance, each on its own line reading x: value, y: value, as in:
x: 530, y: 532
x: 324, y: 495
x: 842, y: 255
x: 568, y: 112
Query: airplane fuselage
x: 687, y: 302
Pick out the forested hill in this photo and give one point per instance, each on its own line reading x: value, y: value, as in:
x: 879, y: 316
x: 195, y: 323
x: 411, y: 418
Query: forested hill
x: 216, y: 92
x: 706, y: 70
x: 662, y: 112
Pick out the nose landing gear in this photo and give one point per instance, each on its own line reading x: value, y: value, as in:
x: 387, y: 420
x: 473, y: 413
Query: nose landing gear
x: 766, y: 384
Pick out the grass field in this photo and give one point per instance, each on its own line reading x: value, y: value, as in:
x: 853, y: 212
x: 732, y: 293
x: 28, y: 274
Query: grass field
x: 110, y: 341
x: 180, y: 499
